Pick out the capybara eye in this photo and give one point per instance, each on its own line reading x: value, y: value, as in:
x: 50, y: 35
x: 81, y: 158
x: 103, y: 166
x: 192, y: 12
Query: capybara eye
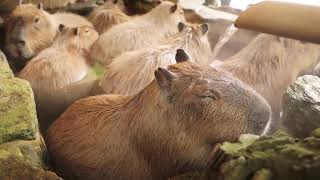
x: 37, y: 19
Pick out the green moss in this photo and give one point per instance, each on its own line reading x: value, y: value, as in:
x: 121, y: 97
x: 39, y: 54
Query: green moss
x: 278, y: 157
x: 18, y: 118
x: 98, y: 69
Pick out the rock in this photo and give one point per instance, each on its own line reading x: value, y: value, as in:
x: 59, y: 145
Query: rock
x: 18, y: 119
x: 15, y: 167
x: 276, y: 157
x: 301, y: 106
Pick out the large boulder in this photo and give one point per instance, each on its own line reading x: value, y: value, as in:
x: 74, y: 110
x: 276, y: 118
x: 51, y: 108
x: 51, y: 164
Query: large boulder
x: 18, y: 119
x: 301, y: 106
x: 277, y: 157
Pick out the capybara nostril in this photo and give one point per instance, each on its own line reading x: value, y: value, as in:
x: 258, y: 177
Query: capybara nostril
x: 22, y: 42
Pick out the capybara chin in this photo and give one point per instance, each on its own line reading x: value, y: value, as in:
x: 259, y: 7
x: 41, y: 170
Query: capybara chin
x: 168, y: 128
x: 132, y: 71
x: 269, y: 64
x: 141, y: 32
x: 31, y: 29
x: 108, y: 15
x: 57, y: 67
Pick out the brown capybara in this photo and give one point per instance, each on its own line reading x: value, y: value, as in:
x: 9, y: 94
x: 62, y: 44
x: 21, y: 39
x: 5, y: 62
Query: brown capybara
x: 168, y: 128
x: 51, y: 4
x: 57, y: 67
x: 269, y: 64
x: 107, y: 15
x: 31, y: 29
x: 141, y: 32
x: 132, y: 71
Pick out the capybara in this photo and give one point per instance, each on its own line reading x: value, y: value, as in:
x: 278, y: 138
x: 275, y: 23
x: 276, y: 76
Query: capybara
x: 132, y: 71
x: 270, y: 64
x: 60, y: 65
x: 51, y: 4
x: 31, y: 29
x: 107, y: 15
x: 168, y: 128
x: 141, y: 32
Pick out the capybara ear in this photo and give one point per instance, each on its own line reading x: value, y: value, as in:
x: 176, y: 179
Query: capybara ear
x: 40, y: 6
x: 61, y: 27
x: 182, y: 56
x: 20, y: 1
x: 157, y: 2
x: 76, y: 31
x: 115, y: 1
x: 181, y: 26
x: 204, y: 28
x: 164, y: 78
x: 173, y: 8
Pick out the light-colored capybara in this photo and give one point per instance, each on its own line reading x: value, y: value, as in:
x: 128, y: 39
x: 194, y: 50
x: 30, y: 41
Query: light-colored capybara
x: 31, y: 29
x: 57, y: 67
x: 269, y: 64
x: 141, y: 32
x: 132, y: 71
x: 107, y: 15
x: 168, y: 128
x: 51, y: 4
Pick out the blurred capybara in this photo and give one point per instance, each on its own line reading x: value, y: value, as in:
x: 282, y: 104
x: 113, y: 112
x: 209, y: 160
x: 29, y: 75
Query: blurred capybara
x: 132, y: 71
x: 60, y: 65
x: 51, y: 4
x: 168, y: 128
x: 31, y: 29
x: 240, y: 39
x: 107, y: 15
x: 269, y: 64
x: 141, y: 32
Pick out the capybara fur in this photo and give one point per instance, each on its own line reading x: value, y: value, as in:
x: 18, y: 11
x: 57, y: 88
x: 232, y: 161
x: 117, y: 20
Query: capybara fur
x: 58, y: 66
x: 132, y: 71
x: 168, y: 128
x: 107, y: 15
x: 141, y: 32
x: 51, y: 4
x: 31, y: 29
x: 270, y: 64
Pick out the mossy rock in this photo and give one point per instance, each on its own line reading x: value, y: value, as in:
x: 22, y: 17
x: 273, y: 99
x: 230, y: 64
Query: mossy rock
x: 5, y: 71
x: 18, y: 119
x: 276, y: 157
x: 16, y: 167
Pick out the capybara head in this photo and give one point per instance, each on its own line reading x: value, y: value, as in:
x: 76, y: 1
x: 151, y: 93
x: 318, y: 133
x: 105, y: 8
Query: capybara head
x: 168, y: 11
x: 197, y: 43
x: 78, y: 38
x: 218, y: 106
x: 29, y: 30
x: 306, y: 54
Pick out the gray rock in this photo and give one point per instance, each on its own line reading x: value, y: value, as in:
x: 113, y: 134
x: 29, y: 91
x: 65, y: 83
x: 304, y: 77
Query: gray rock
x: 301, y: 106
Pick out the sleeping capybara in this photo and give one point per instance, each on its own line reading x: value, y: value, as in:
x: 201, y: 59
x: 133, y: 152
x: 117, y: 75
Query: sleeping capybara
x: 168, y: 128
x: 132, y: 71
x: 141, y: 32
x: 30, y: 29
x: 270, y: 64
x: 57, y: 67
x: 108, y: 15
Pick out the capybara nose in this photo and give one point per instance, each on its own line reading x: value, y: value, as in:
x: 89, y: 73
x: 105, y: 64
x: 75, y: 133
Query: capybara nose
x: 262, y: 118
